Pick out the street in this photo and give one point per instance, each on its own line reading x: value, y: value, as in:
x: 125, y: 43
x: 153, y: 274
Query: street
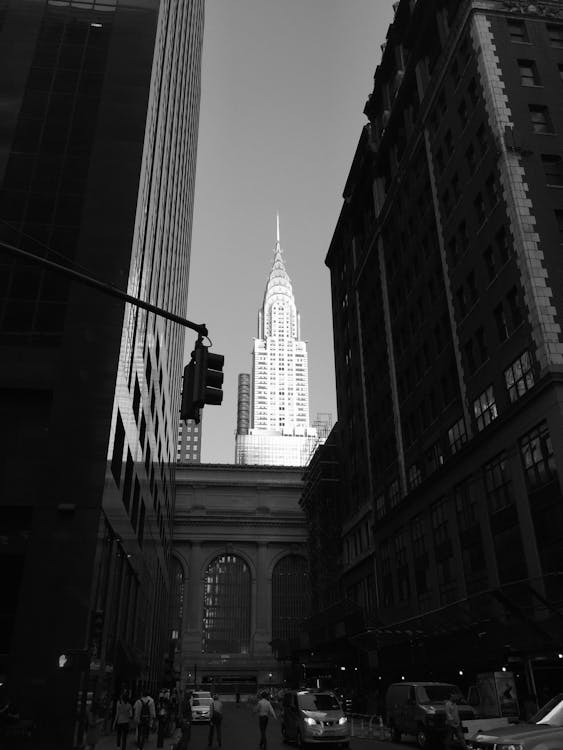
x: 240, y: 732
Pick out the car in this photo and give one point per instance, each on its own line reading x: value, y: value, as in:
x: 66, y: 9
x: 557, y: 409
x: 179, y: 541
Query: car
x: 418, y: 709
x: 543, y: 731
x: 313, y: 717
x: 200, y: 703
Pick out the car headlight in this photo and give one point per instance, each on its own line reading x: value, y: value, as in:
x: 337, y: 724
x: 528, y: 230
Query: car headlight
x: 509, y: 746
x: 311, y: 722
x: 343, y: 720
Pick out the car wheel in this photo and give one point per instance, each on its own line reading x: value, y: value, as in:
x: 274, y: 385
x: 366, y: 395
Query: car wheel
x: 299, y: 741
x: 395, y: 734
x: 422, y: 738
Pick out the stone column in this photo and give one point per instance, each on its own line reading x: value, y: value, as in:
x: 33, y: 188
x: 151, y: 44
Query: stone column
x: 193, y: 611
x: 263, y: 603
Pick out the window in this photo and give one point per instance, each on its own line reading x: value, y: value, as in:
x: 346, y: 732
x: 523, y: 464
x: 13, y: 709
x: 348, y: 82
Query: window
x: 528, y: 73
x: 503, y: 247
x: 414, y: 476
x: 537, y: 457
x: 435, y: 457
x: 457, y: 436
x: 481, y: 344
x: 463, y: 114
x: 439, y: 516
x: 465, y: 505
x: 485, y: 408
x: 489, y: 260
x: 517, y: 31
x: 290, y: 597
x: 482, y: 140
x: 514, y: 306
x: 500, y: 321
x: 449, y: 142
x: 519, y: 377
x: 472, y: 91
x: 541, y: 121
x: 498, y: 485
x: 394, y: 494
x: 226, y: 606
x: 492, y: 192
x: 470, y: 158
x: 380, y: 506
x: 555, y: 34
x: 479, y: 205
x: 553, y: 168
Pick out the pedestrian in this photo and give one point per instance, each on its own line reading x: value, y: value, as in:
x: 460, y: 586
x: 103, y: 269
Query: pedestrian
x: 238, y: 697
x: 123, y: 715
x: 144, y: 714
x: 264, y: 710
x: 215, y: 721
x: 162, y: 718
x: 453, y: 722
x: 94, y: 722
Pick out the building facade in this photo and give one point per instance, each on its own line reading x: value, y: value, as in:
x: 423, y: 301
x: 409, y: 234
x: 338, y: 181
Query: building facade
x: 240, y: 552
x: 447, y: 326
x: 97, y: 169
x: 280, y: 433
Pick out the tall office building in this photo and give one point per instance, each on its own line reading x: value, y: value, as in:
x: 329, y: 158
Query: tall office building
x: 97, y: 168
x: 280, y: 433
x: 447, y: 305
x: 189, y: 442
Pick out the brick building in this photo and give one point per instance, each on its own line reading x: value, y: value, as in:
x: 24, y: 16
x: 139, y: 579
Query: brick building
x: 447, y: 309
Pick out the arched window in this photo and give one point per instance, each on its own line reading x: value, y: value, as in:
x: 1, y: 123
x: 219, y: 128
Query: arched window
x: 290, y: 597
x: 226, y: 606
x: 176, y: 598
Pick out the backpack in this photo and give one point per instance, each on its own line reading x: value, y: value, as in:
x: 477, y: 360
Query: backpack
x: 145, y: 716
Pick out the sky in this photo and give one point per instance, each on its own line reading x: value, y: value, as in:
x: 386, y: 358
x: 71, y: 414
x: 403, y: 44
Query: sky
x: 284, y: 84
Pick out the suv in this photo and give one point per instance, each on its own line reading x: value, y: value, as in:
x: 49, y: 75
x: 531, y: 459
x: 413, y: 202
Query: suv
x: 543, y: 731
x: 313, y: 716
x: 417, y: 708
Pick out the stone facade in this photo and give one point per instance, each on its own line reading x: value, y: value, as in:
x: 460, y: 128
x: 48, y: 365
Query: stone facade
x: 252, y: 513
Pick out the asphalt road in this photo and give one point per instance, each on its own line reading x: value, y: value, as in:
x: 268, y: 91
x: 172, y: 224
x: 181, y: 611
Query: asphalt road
x: 240, y: 732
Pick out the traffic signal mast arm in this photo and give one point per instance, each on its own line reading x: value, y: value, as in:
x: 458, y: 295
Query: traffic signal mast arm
x: 105, y: 288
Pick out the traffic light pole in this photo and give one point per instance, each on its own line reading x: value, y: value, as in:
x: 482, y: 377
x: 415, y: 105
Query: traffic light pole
x: 105, y: 288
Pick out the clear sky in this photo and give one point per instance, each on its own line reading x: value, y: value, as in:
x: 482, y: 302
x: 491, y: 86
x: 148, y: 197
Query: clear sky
x: 284, y: 84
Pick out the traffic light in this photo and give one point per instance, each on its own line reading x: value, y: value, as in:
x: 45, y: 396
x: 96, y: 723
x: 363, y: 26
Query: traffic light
x: 74, y: 660
x: 203, y: 378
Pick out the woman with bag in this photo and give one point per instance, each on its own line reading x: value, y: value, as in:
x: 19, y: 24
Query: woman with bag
x: 123, y: 715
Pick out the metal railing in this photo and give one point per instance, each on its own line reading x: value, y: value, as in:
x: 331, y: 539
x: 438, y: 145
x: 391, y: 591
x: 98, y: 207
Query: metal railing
x: 368, y: 726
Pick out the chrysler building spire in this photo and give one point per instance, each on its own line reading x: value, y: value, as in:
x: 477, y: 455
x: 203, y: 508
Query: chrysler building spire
x: 280, y: 432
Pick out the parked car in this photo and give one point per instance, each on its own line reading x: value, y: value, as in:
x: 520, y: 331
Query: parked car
x: 417, y: 708
x: 313, y: 717
x: 543, y: 731
x: 201, y: 703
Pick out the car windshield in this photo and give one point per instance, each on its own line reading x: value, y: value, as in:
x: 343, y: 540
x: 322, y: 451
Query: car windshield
x: 433, y: 693
x: 202, y: 701
x: 318, y: 702
x: 551, y: 713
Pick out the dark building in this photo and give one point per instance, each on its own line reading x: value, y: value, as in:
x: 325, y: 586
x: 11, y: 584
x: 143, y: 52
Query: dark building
x: 100, y: 108
x: 447, y: 308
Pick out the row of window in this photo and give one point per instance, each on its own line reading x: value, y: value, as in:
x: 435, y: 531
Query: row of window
x: 492, y: 485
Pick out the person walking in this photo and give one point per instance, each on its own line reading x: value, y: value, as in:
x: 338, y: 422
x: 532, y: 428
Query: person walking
x: 162, y: 717
x: 215, y: 721
x: 94, y: 721
x: 144, y: 714
x: 123, y: 715
x: 453, y: 722
x: 264, y: 710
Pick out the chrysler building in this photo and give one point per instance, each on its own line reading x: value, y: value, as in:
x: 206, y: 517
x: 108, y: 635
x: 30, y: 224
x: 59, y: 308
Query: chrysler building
x: 279, y: 433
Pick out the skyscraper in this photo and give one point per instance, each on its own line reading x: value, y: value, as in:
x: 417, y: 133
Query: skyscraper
x: 447, y: 308
x: 97, y: 169
x: 280, y: 433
